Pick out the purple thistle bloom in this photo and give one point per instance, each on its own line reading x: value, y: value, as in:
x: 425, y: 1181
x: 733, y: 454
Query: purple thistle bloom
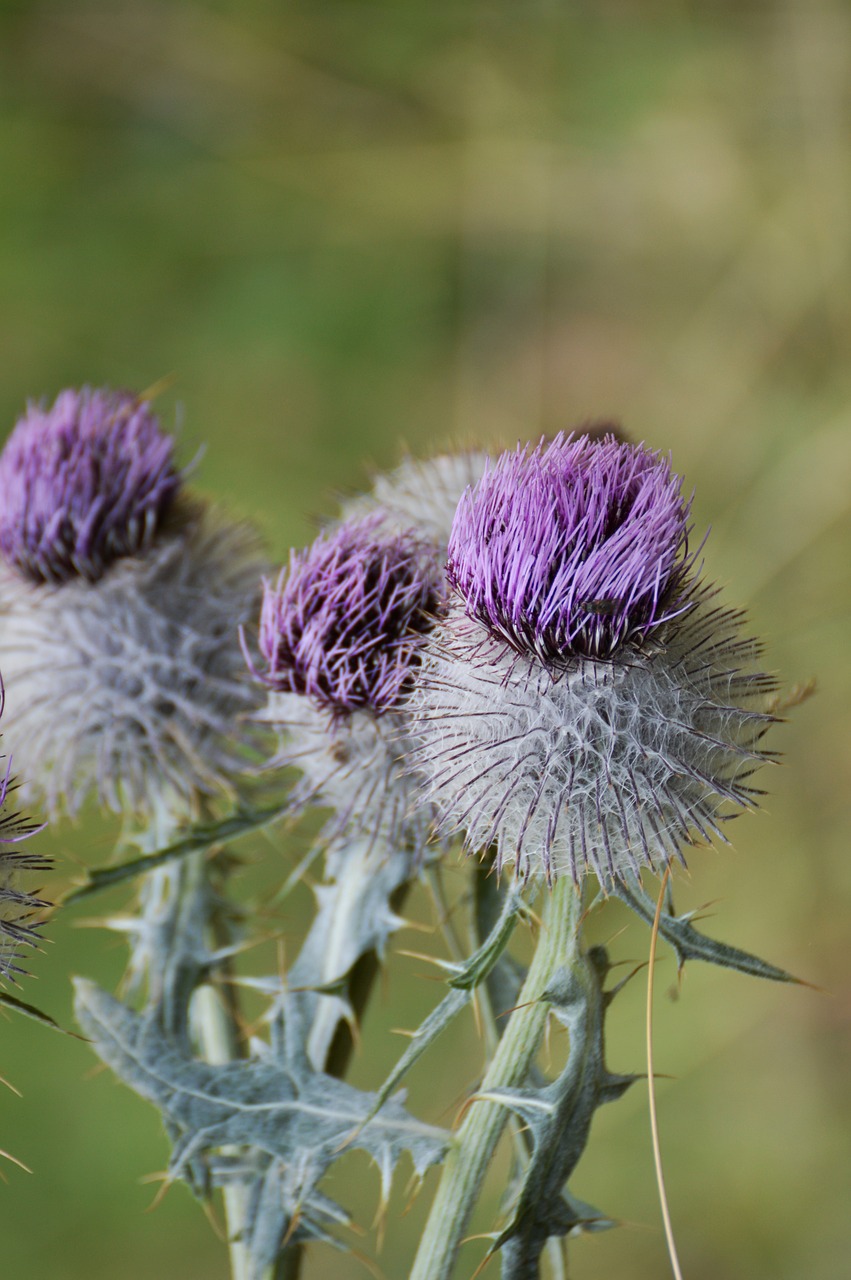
x: 573, y: 549
x: 19, y: 910
x: 583, y: 704
x: 83, y: 484
x: 341, y: 635
x: 343, y: 622
x: 121, y: 598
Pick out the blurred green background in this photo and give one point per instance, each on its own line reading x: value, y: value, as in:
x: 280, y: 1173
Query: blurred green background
x: 348, y: 227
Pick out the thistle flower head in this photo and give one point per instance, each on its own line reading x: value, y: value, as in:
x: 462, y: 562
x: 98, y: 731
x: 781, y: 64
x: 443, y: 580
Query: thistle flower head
x: 121, y: 599
x: 340, y: 636
x: 583, y: 704
x: 343, y: 622
x: 83, y: 484
x: 572, y: 549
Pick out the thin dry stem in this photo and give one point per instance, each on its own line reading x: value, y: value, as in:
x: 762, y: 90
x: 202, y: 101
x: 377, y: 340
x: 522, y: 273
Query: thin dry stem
x: 654, y: 1126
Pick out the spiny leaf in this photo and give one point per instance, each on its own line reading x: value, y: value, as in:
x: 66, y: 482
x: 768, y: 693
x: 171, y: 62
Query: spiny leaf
x: 31, y: 1011
x: 281, y: 1209
x: 355, y: 918
x: 168, y: 939
x: 198, y: 838
x: 558, y: 1119
x: 687, y: 942
x: 465, y: 979
x: 289, y: 1111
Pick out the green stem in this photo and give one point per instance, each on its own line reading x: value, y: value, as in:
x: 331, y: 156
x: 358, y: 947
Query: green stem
x: 343, y: 923
x: 218, y: 1042
x: 486, y: 911
x: 213, y: 1019
x: 215, y: 1024
x: 468, y: 1161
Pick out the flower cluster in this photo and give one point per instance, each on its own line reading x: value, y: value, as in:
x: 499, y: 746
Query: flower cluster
x: 565, y: 690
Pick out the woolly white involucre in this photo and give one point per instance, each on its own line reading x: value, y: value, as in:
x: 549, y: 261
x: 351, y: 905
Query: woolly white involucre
x: 355, y: 767
x: 133, y: 687
x: 589, y: 765
x: 421, y: 495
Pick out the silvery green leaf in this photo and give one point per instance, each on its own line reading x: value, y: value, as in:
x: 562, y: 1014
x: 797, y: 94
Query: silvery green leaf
x: 687, y: 942
x: 354, y: 918
x: 558, y: 1120
x: 281, y: 1208
x: 289, y: 1111
x: 168, y: 939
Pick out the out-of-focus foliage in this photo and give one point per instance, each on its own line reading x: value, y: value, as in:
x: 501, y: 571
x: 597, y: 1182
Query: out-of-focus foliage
x: 343, y: 226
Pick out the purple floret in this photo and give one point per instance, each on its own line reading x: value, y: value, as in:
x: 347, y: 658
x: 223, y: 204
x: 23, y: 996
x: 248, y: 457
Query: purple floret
x: 82, y: 484
x: 573, y: 549
x: 344, y: 621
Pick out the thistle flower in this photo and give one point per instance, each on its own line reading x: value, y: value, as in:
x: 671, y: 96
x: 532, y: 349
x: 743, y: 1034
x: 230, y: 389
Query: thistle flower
x: 584, y: 705
x: 340, y: 635
x: 423, y: 494
x: 119, y: 613
x: 82, y: 484
x: 19, y: 909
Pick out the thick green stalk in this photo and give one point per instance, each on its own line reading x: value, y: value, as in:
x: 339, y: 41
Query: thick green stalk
x: 214, y: 1026
x: 333, y: 952
x: 470, y: 1156
x: 494, y: 1005
x: 214, y: 1022
x: 218, y: 1041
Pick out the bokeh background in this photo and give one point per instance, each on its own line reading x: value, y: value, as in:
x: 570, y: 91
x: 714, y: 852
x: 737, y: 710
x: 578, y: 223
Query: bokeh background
x: 351, y: 227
